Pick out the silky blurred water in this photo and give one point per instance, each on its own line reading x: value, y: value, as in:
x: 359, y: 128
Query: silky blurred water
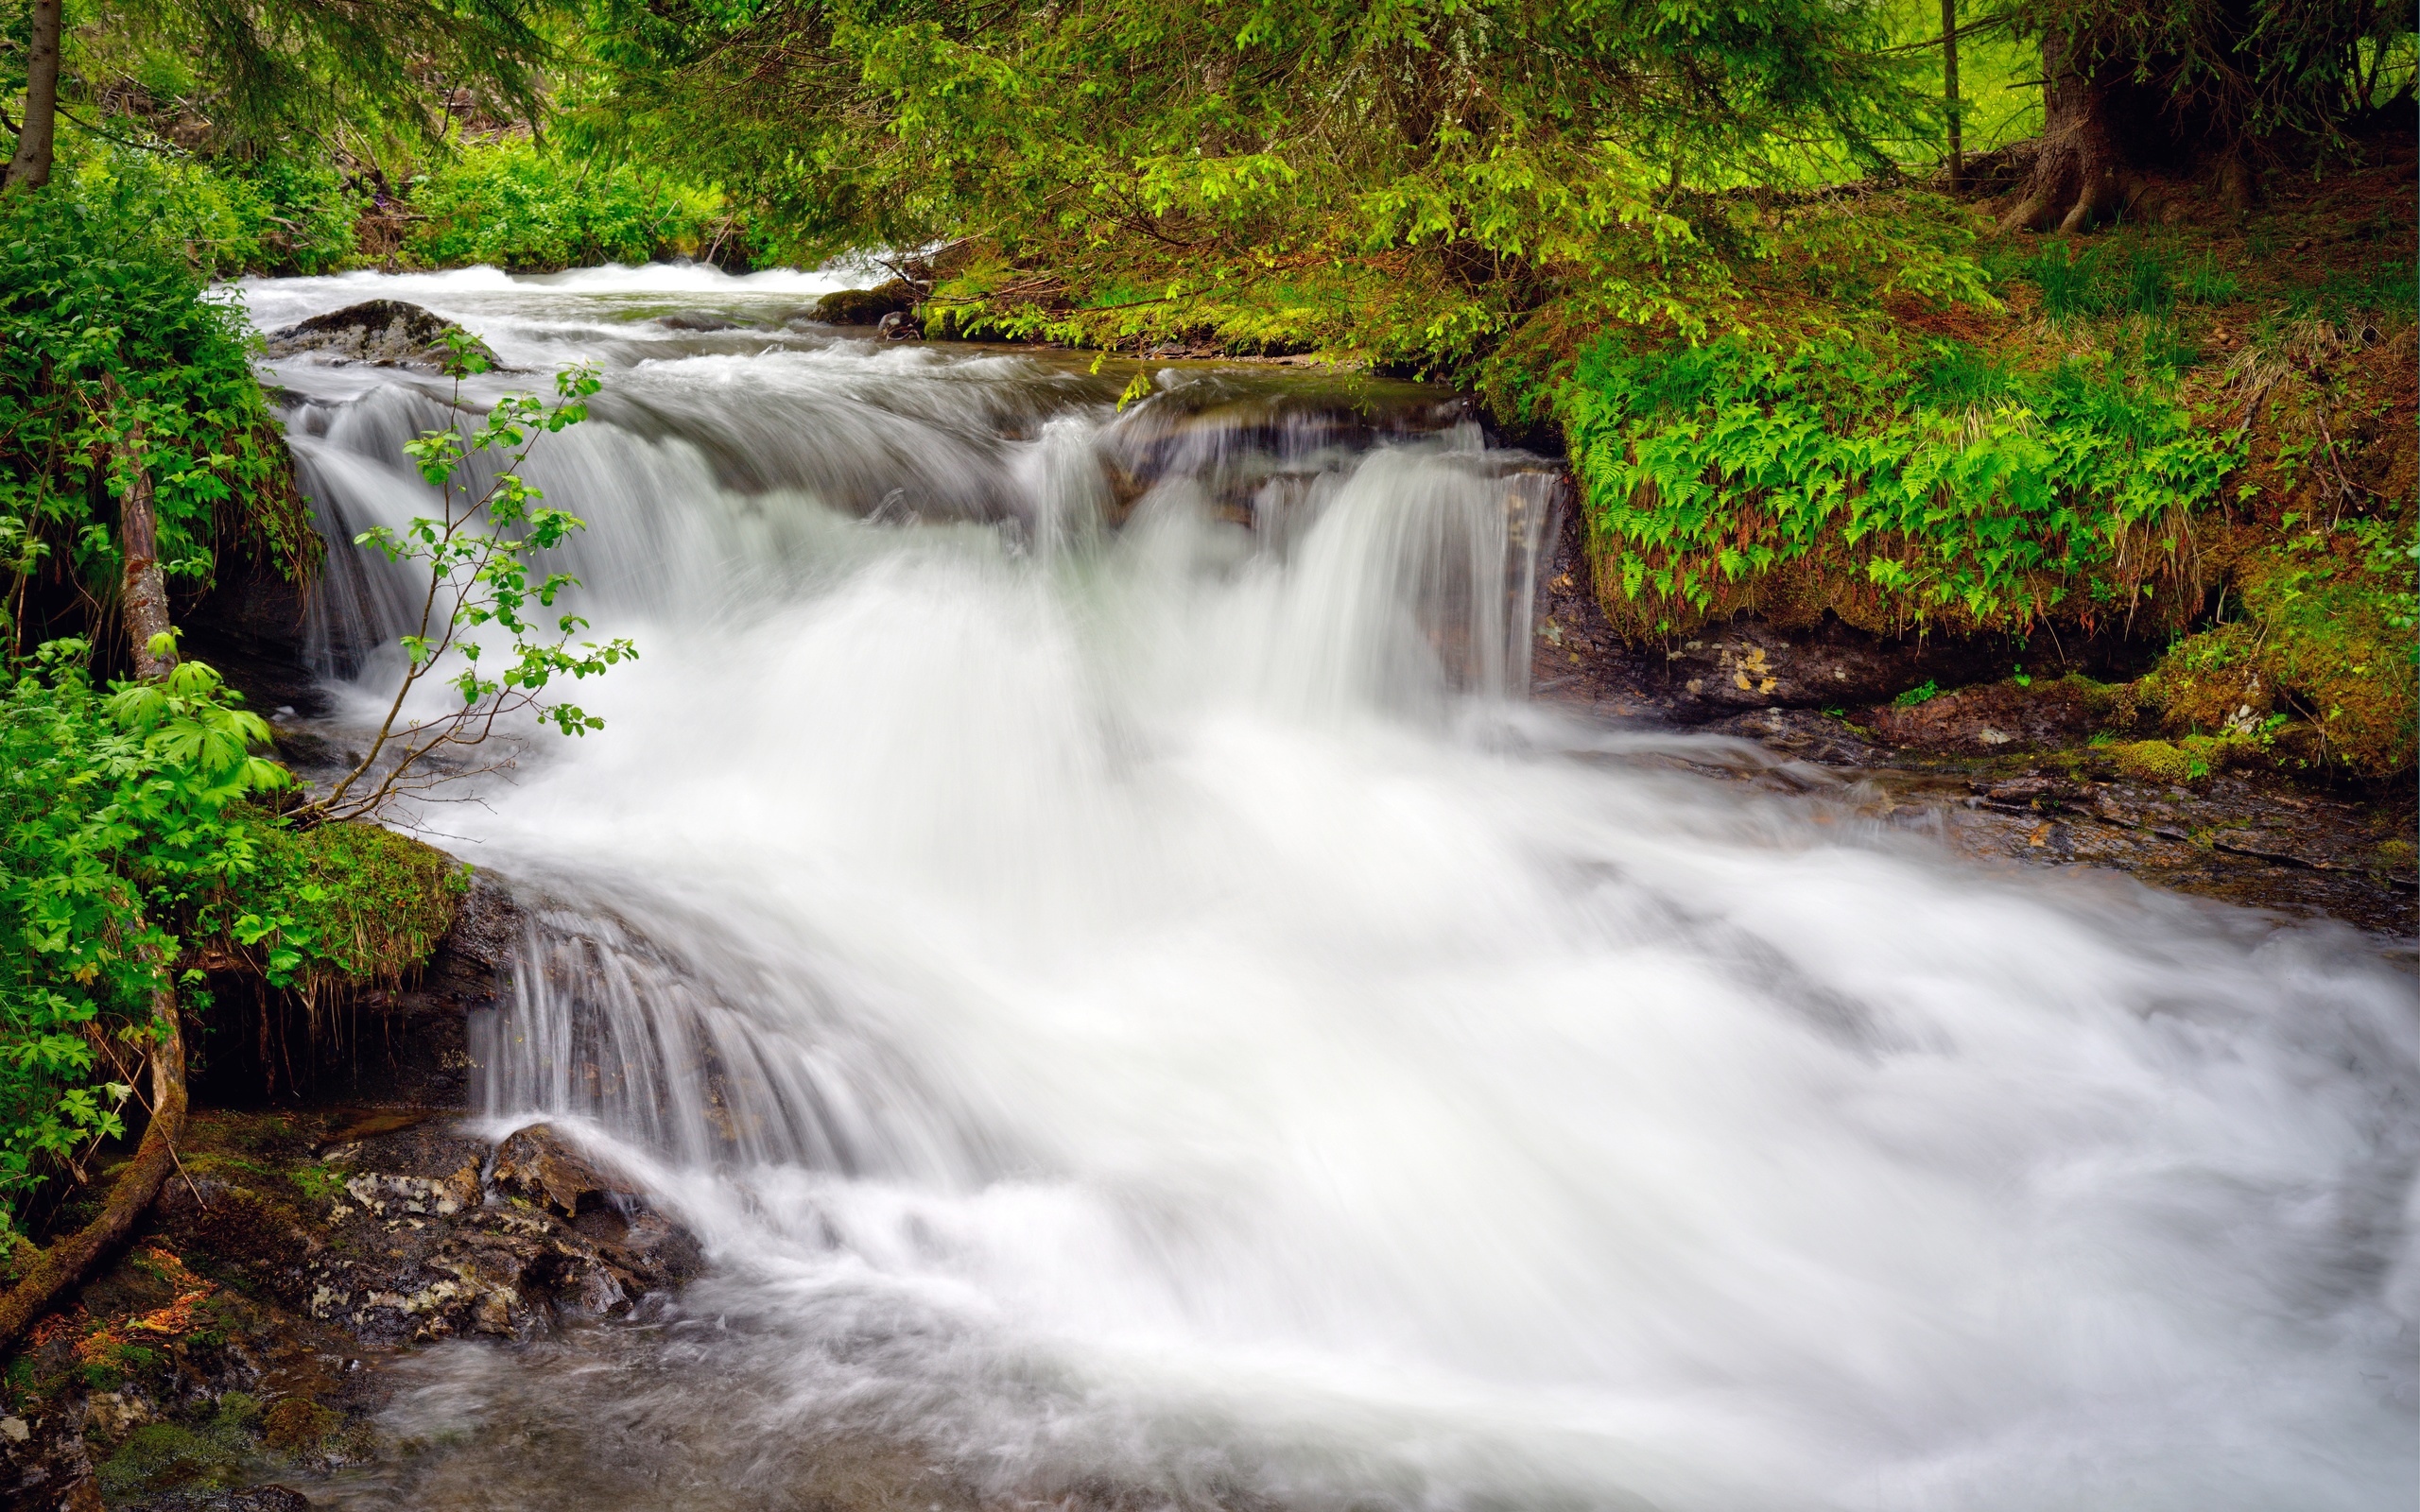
x: 1074, y: 907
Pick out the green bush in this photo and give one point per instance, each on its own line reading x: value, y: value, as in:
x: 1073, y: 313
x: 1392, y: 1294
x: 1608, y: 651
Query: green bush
x: 280, y: 216
x: 2021, y: 496
x: 520, y: 206
x: 112, y: 346
x: 114, y: 825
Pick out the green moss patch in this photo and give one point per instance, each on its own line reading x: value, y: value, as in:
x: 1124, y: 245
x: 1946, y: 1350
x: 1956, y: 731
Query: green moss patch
x: 2320, y: 661
x: 343, y: 904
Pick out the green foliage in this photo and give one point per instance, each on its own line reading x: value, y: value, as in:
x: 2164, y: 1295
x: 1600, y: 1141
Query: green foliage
x: 520, y: 206
x: 114, y: 823
x: 110, y: 348
x: 265, y: 78
x: 351, y: 904
x: 280, y: 216
x: 1404, y: 180
x: 2065, y: 492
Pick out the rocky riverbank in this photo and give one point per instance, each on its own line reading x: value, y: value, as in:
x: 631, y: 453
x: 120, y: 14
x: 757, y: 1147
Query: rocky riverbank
x: 237, y: 1350
x: 2043, y: 768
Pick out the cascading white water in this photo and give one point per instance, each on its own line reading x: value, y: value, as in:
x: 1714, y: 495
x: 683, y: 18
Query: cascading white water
x: 1143, y: 1015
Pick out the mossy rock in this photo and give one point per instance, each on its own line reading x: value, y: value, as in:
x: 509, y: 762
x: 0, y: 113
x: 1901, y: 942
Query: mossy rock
x: 361, y: 904
x: 2316, y: 637
x: 865, y: 307
x: 298, y: 1426
x: 2177, y: 763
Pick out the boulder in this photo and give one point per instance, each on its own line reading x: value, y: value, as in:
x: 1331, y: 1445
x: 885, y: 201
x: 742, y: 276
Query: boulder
x: 381, y: 332
x: 866, y: 307
x: 536, y: 1166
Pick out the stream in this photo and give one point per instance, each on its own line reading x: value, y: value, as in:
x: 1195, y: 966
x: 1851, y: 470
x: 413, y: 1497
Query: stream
x: 1075, y: 909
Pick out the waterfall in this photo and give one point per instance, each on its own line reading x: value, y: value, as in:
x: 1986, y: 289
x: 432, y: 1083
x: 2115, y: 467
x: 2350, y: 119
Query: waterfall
x: 1073, y: 906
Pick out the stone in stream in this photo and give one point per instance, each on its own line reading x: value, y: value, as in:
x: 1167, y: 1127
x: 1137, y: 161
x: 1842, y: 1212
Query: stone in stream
x: 701, y: 321
x: 379, y: 333
x: 865, y: 307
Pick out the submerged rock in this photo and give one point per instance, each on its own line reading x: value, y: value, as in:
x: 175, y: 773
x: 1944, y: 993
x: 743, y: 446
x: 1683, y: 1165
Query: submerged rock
x: 380, y: 333
x: 698, y: 320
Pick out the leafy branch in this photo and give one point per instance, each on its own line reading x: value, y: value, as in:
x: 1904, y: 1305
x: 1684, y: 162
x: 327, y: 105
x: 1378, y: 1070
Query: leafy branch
x: 480, y: 583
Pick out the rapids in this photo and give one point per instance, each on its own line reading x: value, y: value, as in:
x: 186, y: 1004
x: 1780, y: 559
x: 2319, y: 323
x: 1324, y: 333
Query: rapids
x: 1075, y: 910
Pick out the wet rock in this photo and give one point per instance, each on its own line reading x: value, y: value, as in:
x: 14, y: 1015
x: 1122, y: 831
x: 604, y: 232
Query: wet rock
x: 2036, y: 790
x: 698, y: 320
x: 395, y: 1239
x: 407, y: 1046
x: 536, y: 1166
x: 381, y: 332
x: 1994, y: 719
x: 899, y: 326
x: 249, y: 626
x: 865, y: 307
x: 1803, y: 735
x: 1750, y: 664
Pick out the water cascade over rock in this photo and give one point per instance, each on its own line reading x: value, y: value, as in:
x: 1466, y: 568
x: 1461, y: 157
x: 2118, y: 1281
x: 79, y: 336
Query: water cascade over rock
x: 1072, y: 907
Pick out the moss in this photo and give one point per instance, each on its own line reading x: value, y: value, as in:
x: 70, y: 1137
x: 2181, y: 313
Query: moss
x: 298, y: 1426
x: 2317, y: 638
x: 2106, y: 701
x: 865, y: 307
x: 2192, y: 759
x: 357, y: 905
x: 164, y: 1456
x: 318, y: 1183
x: 167, y: 1455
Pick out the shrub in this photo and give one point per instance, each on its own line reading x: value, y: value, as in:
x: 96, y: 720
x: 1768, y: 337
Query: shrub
x: 111, y: 348
x: 1709, y: 468
x: 277, y: 216
x: 114, y: 823
x: 523, y: 207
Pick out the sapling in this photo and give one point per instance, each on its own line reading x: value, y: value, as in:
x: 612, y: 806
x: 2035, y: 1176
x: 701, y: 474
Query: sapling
x: 480, y: 589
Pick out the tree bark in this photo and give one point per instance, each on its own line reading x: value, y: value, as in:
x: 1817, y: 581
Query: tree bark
x: 30, y: 167
x: 68, y: 1262
x: 2074, y: 184
x: 143, y: 589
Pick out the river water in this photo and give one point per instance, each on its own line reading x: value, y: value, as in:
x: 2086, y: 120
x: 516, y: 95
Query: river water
x: 1075, y: 909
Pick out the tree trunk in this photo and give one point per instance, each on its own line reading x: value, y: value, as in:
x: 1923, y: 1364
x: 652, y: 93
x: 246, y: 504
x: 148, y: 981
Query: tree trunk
x: 68, y: 1262
x: 1949, y: 93
x: 30, y: 167
x: 143, y: 589
x: 2122, y: 134
x: 2074, y: 184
